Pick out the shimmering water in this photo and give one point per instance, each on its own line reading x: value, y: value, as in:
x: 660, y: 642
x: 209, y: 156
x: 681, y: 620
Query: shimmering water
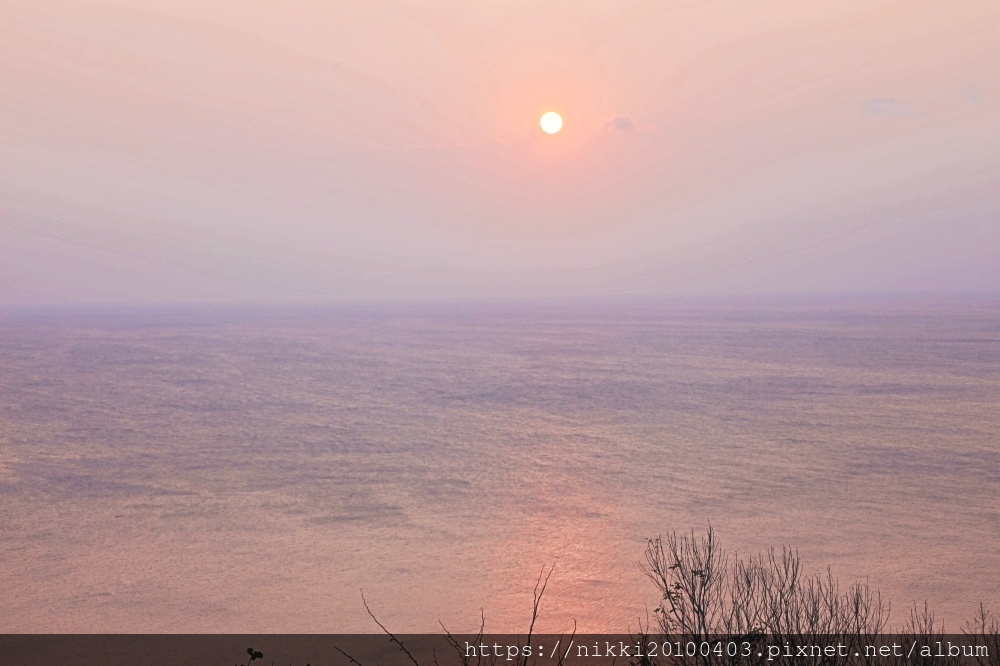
x: 252, y: 471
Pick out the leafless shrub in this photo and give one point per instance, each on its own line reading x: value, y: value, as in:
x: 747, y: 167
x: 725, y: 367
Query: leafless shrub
x: 763, y: 600
x: 984, y: 630
x: 707, y: 593
x: 922, y: 627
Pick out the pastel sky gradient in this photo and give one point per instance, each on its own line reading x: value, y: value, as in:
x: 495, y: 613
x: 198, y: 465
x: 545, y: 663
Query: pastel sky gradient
x: 311, y: 150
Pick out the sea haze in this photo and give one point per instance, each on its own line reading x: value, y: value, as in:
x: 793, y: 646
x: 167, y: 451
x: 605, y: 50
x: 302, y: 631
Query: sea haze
x: 254, y: 470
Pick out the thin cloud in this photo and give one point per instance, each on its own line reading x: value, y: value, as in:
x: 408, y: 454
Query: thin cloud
x: 623, y: 123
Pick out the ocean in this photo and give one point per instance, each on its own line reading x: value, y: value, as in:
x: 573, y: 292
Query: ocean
x: 259, y: 469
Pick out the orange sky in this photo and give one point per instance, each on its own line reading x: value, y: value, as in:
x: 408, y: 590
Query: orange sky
x: 158, y: 150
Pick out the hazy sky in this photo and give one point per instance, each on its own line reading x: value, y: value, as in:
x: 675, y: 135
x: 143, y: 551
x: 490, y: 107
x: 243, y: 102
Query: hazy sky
x: 173, y: 150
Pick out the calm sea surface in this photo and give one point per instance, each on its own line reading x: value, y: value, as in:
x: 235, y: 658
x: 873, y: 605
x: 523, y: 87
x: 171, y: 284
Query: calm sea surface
x: 253, y: 471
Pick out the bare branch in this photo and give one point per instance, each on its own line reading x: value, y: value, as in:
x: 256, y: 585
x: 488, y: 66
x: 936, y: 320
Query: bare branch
x: 388, y: 633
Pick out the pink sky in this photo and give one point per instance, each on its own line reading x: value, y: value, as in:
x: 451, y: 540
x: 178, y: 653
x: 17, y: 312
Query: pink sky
x: 169, y: 151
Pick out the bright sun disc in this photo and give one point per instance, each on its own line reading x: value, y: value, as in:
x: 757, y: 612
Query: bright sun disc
x: 551, y: 122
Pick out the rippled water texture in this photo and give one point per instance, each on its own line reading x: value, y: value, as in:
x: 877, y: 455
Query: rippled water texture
x: 252, y: 471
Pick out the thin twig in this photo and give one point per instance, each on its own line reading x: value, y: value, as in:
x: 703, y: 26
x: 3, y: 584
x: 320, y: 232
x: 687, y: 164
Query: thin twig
x: 353, y: 660
x: 392, y: 637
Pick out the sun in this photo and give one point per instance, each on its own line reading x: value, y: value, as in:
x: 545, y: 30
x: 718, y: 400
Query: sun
x: 551, y: 122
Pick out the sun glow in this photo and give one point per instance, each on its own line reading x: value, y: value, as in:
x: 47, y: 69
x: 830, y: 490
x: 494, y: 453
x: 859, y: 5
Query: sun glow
x: 551, y: 122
